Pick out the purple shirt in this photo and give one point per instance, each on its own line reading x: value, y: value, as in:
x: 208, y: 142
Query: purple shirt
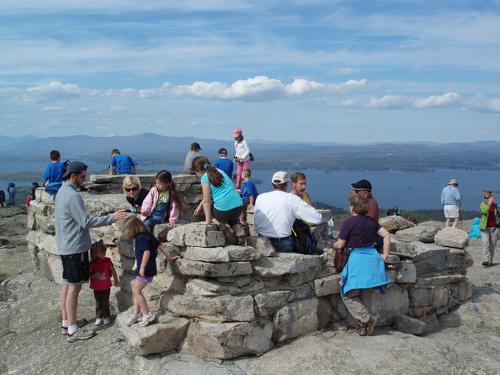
x: 359, y: 231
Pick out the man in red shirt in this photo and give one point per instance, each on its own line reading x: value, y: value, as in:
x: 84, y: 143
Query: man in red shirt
x: 364, y: 188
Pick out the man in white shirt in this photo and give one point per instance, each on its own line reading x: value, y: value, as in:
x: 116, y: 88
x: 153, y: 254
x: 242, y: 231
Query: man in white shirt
x: 276, y: 211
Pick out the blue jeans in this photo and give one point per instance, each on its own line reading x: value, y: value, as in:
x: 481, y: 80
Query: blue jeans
x: 151, y: 221
x: 285, y: 244
x: 12, y: 198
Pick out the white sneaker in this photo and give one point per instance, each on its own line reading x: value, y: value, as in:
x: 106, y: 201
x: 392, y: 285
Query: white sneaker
x: 106, y: 321
x: 132, y: 319
x: 147, y: 319
x: 98, y: 322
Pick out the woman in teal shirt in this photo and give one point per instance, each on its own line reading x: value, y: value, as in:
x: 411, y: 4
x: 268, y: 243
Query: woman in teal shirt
x: 217, y: 187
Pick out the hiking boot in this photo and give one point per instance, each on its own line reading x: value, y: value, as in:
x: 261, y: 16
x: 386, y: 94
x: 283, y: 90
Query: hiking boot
x: 370, y: 326
x: 146, y: 320
x: 485, y: 264
x: 98, y: 322
x: 361, y: 329
x: 80, y: 323
x: 81, y: 334
x: 132, y: 319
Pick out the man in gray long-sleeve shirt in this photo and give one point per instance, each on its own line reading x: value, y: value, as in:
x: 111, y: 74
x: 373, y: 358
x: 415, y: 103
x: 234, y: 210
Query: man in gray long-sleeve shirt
x: 73, y: 241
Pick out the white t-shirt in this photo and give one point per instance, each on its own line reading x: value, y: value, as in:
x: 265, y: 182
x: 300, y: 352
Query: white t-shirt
x: 276, y: 211
x: 242, y: 150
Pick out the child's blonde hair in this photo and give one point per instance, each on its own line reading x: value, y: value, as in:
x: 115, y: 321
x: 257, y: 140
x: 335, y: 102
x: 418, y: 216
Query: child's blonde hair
x: 96, y: 248
x: 134, y: 226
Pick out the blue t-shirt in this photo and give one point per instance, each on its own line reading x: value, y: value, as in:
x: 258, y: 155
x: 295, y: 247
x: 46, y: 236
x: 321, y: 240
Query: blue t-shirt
x: 248, y: 189
x: 145, y: 242
x: 123, y: 163
x: 224, y: 196
x: 54, y: 172
x: 225, y: 165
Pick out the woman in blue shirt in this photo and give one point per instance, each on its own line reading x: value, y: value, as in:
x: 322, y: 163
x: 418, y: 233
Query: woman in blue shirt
x: 217, y: 187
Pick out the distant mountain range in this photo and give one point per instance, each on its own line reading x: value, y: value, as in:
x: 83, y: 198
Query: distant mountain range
x: 151, y: 148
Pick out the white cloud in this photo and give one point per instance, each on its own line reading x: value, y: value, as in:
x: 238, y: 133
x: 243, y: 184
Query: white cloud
x: 52, y: 108
x: 346, y: 71
x: 118, y: 108
x: 494, y: 105
x: 445, y: 100
x: 389, y: 102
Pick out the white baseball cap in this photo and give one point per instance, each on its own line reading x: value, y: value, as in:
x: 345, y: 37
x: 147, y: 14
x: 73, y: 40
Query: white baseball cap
x: 280, y: 177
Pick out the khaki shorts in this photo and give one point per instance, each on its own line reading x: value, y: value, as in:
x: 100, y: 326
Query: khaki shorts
x: 451, y: 211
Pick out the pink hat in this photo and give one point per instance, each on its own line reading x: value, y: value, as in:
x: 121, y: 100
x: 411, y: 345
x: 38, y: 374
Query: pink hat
x: 237, y: 132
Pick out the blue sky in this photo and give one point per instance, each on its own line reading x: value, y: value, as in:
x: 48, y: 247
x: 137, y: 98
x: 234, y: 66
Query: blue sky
x: 340, y: 71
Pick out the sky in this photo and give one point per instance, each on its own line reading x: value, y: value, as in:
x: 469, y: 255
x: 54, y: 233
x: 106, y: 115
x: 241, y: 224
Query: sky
x: 351, y: 71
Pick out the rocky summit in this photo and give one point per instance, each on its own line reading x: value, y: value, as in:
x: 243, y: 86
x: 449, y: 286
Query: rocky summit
x: 245, y: 309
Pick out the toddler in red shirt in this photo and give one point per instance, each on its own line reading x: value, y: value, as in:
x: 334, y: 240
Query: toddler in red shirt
x: 101, y: 270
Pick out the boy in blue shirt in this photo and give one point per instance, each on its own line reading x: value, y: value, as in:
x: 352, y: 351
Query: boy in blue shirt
x: 121, y: 164
x: 248, y: 193
x: 224, y: 164
x: 55, y: 169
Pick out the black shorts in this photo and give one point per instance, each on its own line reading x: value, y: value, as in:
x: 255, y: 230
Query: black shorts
x: 76, y: 268
x: 231, y: 217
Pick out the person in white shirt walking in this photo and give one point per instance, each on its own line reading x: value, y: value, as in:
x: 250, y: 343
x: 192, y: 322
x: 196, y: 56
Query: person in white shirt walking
x: 276, y: 211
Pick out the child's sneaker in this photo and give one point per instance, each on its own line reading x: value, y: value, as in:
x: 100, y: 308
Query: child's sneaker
x: 98, y: 322
x: 147, y: 319
x: 132, y: 319
x: 81, y: 334
x: 106, y: 321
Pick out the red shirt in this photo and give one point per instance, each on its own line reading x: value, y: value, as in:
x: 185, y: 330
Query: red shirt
x: 373, y: 209
x: 102, y: 266
x: 491, y: 222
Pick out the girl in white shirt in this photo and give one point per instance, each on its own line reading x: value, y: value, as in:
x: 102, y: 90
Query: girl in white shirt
x: 242, y: 156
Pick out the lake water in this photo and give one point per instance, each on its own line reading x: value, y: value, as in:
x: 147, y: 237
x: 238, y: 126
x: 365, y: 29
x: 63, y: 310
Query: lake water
x: 408, y: 190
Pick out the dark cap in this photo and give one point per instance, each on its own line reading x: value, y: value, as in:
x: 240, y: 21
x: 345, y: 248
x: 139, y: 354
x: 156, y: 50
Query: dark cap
x: 75, y: 167
x: 362, y: 185
x: 222, y: 151
x: 195, y: 146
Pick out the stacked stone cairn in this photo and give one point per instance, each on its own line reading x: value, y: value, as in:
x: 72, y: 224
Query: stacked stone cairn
x: 223, y: 301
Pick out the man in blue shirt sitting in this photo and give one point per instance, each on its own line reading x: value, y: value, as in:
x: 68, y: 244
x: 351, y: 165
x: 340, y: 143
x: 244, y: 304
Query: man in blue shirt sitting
x: 55, y: 169
x: 224, y: 164
x: 121, y: 163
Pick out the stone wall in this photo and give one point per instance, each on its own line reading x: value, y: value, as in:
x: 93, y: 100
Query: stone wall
x: 222, y: 301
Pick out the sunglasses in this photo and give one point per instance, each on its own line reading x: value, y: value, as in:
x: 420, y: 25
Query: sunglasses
x: 131, y: 189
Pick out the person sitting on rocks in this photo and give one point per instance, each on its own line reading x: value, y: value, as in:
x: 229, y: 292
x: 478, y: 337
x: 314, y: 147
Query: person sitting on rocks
x: 249, y: 194
x: 224, y: 164
x: 276, y: 211
x: 365, y: 268
x: 193, y: 153
x: 364, y: 188
x: 134, y: 192
x: 54, y: 171
x: 218, y: 187
x: 299, y: 183
x: 489, y: 226
x: 451, y: 201
x: 161, y: 204
x: 121, y: 163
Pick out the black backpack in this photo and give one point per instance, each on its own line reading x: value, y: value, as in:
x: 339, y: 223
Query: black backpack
x: 305, y: 243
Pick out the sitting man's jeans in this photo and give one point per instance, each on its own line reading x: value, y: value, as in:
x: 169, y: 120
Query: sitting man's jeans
x: 285, y: 244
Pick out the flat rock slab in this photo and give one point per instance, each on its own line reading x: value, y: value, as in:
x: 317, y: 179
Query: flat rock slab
x: 262, y: 244
x: 232, y: 253
x: 296, y: 319
x: 269, y: 302
x: 395, y: 223
x: 452, y: 237
x: 215, y: 309
x: 161, y: 337
x: 428, y: 258
x: 195, y: 234
x: 230, y: 340
x: 208, y: 288
x: 422, y: 233
x: 161, y: 230
x: 327, y: 285
x: 202, y: 269
x: 288, y: 263
x: 411, y: 325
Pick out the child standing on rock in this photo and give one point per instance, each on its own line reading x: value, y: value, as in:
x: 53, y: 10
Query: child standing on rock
x: 146, y: 249
x: 101, y: 270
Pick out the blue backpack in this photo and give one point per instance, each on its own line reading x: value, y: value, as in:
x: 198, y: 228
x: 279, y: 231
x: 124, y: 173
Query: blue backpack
x: 474, y: 231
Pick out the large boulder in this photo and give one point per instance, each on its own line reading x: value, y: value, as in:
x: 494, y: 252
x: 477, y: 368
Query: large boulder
x: 262, y: 244
x: 422, y: 233
x: 327, y: 285
x: 296, y: 319
x: 428, y: 258
x: 288, y: 263
x: 196, y: 234
x: 395, y: 223
x: 230, y: 340
x: 161, y: 337
x: 269, y: 302
x: 202, y: 269
x: 452, y: 237
x: 224, y: 308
